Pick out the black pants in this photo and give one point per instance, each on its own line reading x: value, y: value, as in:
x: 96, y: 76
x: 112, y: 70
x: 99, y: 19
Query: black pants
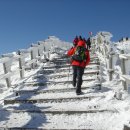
x: 78, y: 74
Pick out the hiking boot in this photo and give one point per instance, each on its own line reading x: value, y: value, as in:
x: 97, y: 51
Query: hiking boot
x: 80, y: 93
x: 74, y: 84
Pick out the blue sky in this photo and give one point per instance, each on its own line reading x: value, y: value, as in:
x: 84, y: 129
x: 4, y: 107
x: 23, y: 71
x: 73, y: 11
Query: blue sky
x: 23, y: 22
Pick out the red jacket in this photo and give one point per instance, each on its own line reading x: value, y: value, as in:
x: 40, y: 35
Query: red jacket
x: 76, y: 63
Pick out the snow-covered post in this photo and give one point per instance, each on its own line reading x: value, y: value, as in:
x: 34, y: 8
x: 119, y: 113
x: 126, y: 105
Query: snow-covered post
x: 7, y: 68
x: 40, y: 49
x: 93, y: 45
x: 21, y: 65
x: 45, y: 52
x: 34, y: 54
x: 48, y: 54
x: 110, y: 65
x: 123, y: 69
x: 39, y: 52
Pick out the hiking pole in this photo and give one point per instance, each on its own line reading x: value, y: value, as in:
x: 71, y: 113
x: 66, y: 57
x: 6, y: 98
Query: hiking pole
x: 68, y: 74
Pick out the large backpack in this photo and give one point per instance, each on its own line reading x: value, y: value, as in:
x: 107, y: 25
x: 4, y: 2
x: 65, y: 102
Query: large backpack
x: 79, y: 54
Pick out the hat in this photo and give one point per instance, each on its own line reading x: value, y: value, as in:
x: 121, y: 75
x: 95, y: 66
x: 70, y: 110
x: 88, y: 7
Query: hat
x: 81, y: 43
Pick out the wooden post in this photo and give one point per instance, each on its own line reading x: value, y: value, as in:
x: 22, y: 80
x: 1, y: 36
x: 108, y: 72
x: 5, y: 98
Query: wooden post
x: 21, y: 66
x: 123, y: 69
x: 6, y: 70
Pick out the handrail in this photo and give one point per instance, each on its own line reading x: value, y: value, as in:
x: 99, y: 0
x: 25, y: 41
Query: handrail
x: 35, y: 52
x: 105, y: 49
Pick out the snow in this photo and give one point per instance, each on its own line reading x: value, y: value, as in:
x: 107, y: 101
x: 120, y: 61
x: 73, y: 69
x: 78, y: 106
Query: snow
x: 111, y: 113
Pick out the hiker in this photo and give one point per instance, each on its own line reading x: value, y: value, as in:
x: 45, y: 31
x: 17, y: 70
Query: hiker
x: 88, y: 42
x: 85, y: 43
x: 75, y: 41
x: 80, y: 38
x: 78, y: 65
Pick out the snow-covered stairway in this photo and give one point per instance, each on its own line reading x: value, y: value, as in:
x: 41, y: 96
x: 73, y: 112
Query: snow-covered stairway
x: 49, y: 101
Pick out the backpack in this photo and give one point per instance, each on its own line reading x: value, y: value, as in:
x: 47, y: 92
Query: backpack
x: 79, y: 54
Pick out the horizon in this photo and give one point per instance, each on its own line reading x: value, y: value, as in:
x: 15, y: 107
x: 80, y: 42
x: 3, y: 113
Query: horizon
x: 25, y: 22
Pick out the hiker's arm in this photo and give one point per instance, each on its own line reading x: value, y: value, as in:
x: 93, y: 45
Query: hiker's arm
x: 70, y: 52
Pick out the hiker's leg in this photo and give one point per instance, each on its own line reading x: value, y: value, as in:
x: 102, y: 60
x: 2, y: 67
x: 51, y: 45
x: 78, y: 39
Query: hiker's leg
x: 74, y: 75
x: 80, y: 72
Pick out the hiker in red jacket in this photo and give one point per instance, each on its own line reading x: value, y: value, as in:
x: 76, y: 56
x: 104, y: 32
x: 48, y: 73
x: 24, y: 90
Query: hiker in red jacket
x: 78, y: 66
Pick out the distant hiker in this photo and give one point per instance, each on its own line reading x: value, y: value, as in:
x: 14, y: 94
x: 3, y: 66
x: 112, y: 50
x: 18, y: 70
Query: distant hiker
x: 80, y: 58
x: 80, y: 38
x: 75, y: 41
x: 88, y: 43
x: 85, y: 42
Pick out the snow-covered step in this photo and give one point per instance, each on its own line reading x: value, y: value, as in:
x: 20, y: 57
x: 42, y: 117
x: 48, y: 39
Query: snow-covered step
x: 91, y: 85
x: 62, y: 76
x: 92, y: 72
x: 69, y: 112
x: 84, y: 106
x: 43, y: 83
x: 61, y: 70
x: 50, y: 97
x: 89, y: 67
x: 126, y: 127
x: 66, y: 65
x: 56, y: 66
x: 59, y: 62
x: 53, y: 89
x: 36, y: 91
x: 87, y: 121
x: 62, y: 106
